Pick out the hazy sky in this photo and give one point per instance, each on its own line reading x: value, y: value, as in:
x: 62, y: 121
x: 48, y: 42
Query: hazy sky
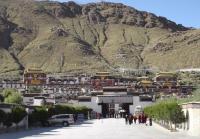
x: 186, y: 12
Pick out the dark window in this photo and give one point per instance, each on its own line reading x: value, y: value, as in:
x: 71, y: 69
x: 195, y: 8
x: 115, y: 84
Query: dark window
x: 62, y: 116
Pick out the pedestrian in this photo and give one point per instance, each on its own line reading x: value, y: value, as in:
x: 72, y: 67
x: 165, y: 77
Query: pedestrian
x: 135, y: 119
x: 145, y: 119
x: 150, y: 121
x: 139, y: 118
x: 98, y: 116
x: 130, y: 119
x: 126, y: 118
x: 142, y: 119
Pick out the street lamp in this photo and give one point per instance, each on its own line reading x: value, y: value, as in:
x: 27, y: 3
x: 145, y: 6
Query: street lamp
x: 27, y: 118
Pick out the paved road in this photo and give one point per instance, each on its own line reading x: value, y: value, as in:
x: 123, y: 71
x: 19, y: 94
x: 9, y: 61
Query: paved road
x: 99, y: 129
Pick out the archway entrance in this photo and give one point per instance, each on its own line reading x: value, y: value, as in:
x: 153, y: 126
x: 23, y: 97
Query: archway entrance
x: 125, y: 106
x: 110, y: 109
x: 104, y: 109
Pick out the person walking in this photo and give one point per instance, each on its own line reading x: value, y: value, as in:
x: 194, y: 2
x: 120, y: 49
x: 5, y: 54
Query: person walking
x: 126, y: 119
x: 142, y: 119
x: 135, y: 119
x: 145, y: 119
x: 150, y: 121
x: 139, y: 118
x: 130, y: 119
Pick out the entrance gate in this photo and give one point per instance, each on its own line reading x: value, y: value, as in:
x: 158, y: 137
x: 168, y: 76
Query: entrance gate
x: 109, y: 107
x: 108, y: 110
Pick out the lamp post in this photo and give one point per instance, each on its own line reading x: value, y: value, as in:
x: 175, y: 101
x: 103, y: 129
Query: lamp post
x: 27, y: 118
x: 102, y: 108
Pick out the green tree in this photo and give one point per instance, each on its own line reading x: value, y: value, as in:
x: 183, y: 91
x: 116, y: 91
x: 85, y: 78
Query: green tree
x: 18, y: 114
x: 1, y: 98
x: 177, y: 115
x: 8, y: 120
x: 82, y: 110
x: 2, y: 116
x: 40, y: 115
x: 167, y: 112
x: 15, y: 97
x: 8, y: 92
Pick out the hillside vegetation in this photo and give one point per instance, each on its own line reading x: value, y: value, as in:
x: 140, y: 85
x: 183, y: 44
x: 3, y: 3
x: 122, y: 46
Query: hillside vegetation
x: 67, y: 37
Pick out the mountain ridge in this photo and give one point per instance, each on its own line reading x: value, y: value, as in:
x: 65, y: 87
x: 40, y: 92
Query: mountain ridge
x: 67, y: 37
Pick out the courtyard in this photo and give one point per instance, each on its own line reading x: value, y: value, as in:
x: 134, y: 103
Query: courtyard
x: 99, y: 129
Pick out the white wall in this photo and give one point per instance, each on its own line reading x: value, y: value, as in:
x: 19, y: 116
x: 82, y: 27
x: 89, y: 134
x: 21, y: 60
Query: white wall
x: 6, y: 110
x: 38, y: 102
x: 28, y: 100
x: 137, y: 102
x: 194, y: 121
x: 93, y: 105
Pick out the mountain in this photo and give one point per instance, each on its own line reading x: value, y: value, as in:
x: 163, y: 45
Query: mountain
x: 67, y: 37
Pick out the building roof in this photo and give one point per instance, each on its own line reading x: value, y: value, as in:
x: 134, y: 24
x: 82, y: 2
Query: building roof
x: 115, y: 87
x: 84, y: 97
x: 8, y: 105
x: 96, y: 92
x: 146, y: 82
x: 34, y: 94
x: 33, y: 70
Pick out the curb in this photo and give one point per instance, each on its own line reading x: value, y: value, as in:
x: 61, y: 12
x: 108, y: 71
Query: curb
x: 160, y: 127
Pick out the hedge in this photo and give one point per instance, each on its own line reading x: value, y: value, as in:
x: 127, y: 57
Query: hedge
x: 15, y: 116
x: 41, y: 114
x: 167, y: 111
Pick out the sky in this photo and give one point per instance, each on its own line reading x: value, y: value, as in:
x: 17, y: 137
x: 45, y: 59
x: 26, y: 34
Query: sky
x: 185, y: 12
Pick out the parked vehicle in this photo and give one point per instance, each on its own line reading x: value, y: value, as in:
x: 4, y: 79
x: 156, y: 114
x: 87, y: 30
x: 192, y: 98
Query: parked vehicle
x: 63, y: 119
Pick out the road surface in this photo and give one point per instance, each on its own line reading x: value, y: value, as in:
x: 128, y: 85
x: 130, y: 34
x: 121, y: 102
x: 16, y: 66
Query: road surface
x: 99, y: 129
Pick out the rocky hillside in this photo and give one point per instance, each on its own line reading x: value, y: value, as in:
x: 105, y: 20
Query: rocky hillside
x: 67, y: 37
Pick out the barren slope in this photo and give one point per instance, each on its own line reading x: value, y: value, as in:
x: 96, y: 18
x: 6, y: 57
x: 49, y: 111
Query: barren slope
x: 67, y: 37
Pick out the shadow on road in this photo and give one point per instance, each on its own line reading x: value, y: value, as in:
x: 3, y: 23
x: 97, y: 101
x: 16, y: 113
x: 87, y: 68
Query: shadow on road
x: 41, y: 132
x: 30, y: 132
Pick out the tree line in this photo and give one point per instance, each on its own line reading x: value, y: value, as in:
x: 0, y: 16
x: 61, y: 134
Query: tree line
x: 39, y: 115
x: 166, y: 113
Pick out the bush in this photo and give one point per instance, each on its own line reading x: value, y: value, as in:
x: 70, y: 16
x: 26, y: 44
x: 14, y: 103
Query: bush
x: 176, y: 115
x: 18, y: 114
x: 167, y: 111
x: 8, y: 120
x: 2, y: 116
x: 40, y: 115
x: 67, y: 109
x: 82, y: 110
x: 1, y: 98
x: 12, y: 96
x: 7, y: 92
